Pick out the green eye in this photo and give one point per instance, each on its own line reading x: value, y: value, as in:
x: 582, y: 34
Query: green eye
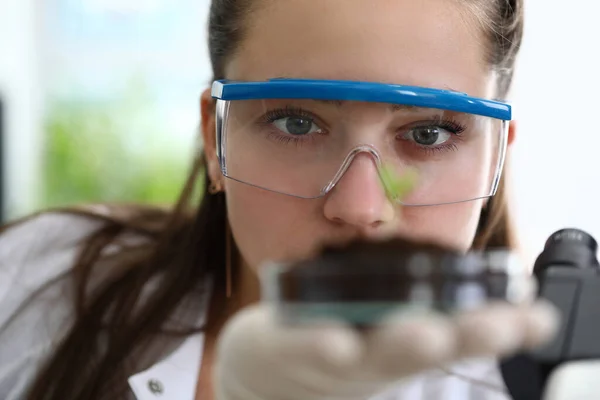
x: 398, y: 186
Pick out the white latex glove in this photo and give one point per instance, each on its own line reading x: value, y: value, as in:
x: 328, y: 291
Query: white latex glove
x: 259, y: 359
x: 574, y: 380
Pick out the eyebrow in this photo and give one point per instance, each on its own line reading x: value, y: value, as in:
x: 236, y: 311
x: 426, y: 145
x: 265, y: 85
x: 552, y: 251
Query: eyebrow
x: 393, y: 107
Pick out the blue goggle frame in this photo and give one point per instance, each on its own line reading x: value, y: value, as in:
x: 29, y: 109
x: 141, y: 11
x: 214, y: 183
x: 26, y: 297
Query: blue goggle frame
x: 285, y: 88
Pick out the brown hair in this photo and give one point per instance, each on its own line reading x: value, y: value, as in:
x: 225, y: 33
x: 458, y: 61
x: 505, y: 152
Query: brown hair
x: 184, y: 248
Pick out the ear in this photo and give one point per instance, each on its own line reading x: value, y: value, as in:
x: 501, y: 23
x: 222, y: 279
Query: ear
x: 208, y: 126
x: 512, y: 131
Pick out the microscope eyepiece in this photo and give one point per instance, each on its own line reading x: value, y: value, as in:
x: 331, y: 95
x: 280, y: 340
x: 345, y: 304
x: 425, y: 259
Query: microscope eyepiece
x: 568, y: 248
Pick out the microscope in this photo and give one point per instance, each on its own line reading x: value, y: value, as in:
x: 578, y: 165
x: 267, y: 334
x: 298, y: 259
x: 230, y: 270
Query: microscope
x: 360, y: 282
x: 568, y: 367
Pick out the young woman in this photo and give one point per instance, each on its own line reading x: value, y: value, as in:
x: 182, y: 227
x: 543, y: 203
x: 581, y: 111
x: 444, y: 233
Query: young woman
x: 310, y: 101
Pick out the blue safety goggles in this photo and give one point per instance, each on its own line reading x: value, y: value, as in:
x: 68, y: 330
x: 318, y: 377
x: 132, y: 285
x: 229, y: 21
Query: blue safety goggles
x: 299, y: 136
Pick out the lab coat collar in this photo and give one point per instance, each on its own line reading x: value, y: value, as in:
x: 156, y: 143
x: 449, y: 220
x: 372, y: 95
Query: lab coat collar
x: 175, y: 377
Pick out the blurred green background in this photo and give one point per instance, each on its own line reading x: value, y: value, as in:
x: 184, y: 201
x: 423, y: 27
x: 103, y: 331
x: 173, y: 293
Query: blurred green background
x: 119, y: 87
x: 112, y: 150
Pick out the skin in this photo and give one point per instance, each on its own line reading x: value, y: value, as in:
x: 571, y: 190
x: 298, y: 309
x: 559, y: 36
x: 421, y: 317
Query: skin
x: 432, y: 43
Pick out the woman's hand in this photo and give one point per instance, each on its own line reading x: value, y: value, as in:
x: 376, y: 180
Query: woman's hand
x: 259, y: 359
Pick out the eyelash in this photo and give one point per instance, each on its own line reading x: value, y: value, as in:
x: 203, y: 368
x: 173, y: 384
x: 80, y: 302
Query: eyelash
x: 451, y: 125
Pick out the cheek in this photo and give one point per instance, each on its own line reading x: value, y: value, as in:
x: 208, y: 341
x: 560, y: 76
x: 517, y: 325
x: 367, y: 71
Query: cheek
x: 451, y: 225
x: 268, y: 226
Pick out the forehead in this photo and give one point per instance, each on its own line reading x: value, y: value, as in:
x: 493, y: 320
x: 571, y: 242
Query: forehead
x: 432, y: 43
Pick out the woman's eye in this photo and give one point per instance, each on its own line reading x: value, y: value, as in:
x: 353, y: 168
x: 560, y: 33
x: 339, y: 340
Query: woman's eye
x: 296, y: 126
x: 428, y: 136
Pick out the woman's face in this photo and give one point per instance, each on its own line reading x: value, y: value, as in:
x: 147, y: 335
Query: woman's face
x: 431, y: 43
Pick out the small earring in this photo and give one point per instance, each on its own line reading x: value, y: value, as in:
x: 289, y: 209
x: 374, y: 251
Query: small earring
x: 215, y: 188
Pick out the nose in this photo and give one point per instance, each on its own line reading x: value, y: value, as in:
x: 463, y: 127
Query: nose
x: 359, y: 199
